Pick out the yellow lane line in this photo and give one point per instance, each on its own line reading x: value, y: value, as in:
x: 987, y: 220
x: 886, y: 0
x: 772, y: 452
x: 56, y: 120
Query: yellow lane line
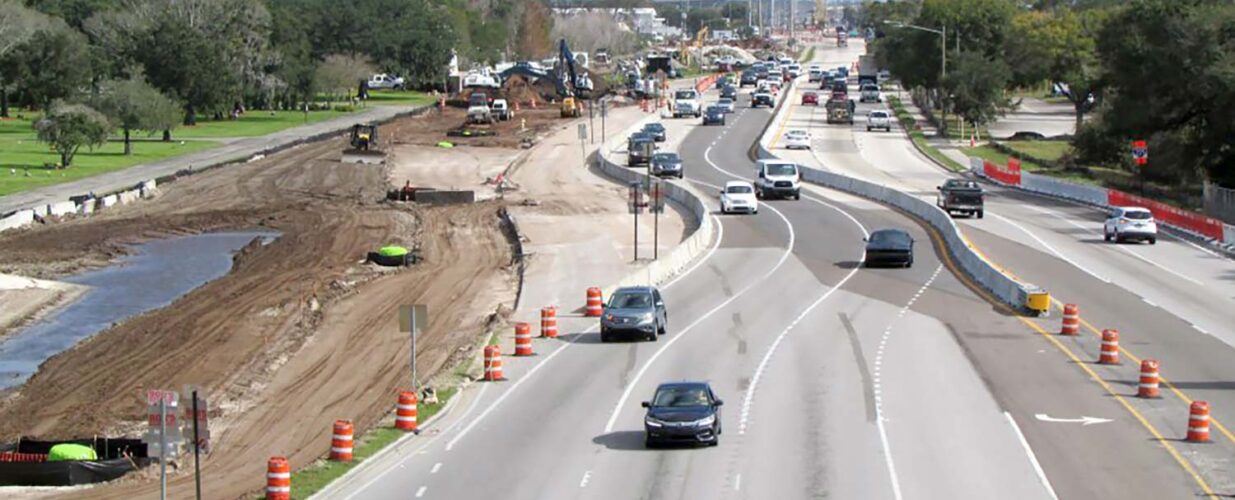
x: 1170, y: 448
x: 1161, y: 378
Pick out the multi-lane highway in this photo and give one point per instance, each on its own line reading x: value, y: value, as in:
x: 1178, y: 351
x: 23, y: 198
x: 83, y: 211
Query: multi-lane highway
x: 839, y: 381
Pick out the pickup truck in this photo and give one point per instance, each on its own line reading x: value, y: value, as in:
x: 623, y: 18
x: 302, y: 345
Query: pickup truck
x: 870, y: 93
x: 639, y: 150
x: 762, y: 97
x: 962, y: 196
x: 384, y: 81
x: 501, y: 110
x: 686, y: 103
x: 478, y: 110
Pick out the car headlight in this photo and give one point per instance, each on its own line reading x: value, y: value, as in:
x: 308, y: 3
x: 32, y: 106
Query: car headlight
x: 651, y: 422
x: 646, y: 318
x: 609, y: 317
x: 706, y: 421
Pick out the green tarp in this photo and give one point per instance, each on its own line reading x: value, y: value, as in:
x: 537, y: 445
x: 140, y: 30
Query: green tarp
x: 69, y: 451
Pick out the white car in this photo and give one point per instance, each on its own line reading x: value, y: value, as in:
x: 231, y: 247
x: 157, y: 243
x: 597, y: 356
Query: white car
x: 797, y: 138
x: 795, y: 70
x: 384, y: 81
x: 878, y: 119
x: 726, y: 104
x: 738, y: 196
x: 1130, y: 223
x: 815, y: 75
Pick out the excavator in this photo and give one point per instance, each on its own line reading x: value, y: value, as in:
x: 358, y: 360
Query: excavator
x: 364, y: 145
x: 570, y: 80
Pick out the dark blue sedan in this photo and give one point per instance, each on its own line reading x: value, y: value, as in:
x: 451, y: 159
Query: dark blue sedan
x: 683, y: 412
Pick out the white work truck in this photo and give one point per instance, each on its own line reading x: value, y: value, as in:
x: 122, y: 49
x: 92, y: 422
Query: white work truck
x: 686, y: 103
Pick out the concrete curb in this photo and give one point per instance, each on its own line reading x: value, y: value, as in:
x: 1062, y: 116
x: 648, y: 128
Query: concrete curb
x: 1007, y: 289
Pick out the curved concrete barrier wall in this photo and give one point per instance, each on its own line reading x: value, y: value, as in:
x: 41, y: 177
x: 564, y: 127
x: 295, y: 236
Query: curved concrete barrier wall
x: 676, y: 260
x: 1008, y: 290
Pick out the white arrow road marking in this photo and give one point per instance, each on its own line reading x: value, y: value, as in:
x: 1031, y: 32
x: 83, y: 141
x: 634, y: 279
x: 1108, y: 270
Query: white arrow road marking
x: 1083, y: 420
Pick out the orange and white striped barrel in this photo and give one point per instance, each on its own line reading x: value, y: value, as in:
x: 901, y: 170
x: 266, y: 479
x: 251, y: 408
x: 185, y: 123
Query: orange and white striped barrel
x: 341, y: 441
x: 1148, y: 387
x: 1198, y: 422
x: 523, y: 339
x: 1071, y: 320
x: 548, y: 322
x: 1109, y: 354
x: 493, y: 363
x: 405, y: 411
x: 595, y: 303
x: 278, y: 479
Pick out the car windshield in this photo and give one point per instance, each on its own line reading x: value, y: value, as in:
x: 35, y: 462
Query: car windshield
x: 631, y: 300
x: 889, y: 237
x: 739, y: 189
x: 960, y: 184
x: 1138, y: 215
x: 676, y: 397
x: 665, y: 157
x: 715, y: 110
x: 684, y: 94
x: 654, y: 127
x: 781, y: 169
x: 878, y: 114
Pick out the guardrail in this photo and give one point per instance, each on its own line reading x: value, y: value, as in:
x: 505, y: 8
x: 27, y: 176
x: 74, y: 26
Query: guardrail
x: 1007, y: 289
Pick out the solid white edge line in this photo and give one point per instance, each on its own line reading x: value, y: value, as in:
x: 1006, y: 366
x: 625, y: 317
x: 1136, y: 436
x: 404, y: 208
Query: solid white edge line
x: 1033, y: 459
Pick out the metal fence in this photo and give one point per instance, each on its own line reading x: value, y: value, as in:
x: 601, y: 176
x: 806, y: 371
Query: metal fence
x: 1220, y: 203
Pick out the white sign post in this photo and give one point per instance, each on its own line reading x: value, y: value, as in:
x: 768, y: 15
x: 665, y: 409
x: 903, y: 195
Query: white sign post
x: 161, y: 416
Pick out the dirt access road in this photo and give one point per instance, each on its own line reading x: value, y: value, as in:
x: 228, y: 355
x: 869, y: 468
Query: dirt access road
x: 300, y: 333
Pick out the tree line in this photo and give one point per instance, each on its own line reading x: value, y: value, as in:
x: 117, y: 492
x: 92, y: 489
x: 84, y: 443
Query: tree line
x: 148, y: 65
x: 1157, y: 70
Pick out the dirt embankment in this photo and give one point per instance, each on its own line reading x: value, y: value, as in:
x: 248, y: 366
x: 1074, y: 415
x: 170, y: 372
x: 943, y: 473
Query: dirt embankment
x: 301, y: 332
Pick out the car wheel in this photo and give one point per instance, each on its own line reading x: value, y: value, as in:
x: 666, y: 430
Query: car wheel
x: 1153, y: 241
x: 649, y: 444
x: 1118, y: 238
x: 909, y: 264
x: 868, y: 129
x: 981, y: 213
x: 604, y: 336
x: 1106, y: 235
x: 652, y: 337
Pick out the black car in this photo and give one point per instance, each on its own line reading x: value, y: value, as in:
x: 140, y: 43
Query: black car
x: 889, y: 247
x: 714, y: 115
x: 683, y: 412
x: 729, y: 91
x: 667, y: 165
x: 748, y: 78
x: 639, y: 150
x: 762, y: 99
x: 656, y: 130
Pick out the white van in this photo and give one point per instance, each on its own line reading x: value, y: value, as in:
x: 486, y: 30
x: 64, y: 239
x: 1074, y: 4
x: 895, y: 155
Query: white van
x: 778, y: 178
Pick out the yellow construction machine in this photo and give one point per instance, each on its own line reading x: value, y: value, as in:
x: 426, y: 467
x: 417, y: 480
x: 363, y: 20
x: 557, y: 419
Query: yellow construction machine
x: 571, y: 107
x: 364, y: 145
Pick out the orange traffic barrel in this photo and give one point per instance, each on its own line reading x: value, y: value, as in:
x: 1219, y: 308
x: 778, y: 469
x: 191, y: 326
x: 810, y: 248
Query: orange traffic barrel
x: 405, y: 411
x: 1110, y: 347
x: 278, y: 479
x: 548, y: 322
x: 1071, y: 320
x: 523, y: 339
x: 595, y: 303
x: 1198, y: 422
x: 1148, y: 387
x: 341, y: 441
x: 493, y: 363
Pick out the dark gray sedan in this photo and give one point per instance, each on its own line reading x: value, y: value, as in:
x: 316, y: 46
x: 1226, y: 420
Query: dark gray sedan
x: 657, y: 131
x: 892, y: 247
x: 634, y: 311
x: 667, y: 165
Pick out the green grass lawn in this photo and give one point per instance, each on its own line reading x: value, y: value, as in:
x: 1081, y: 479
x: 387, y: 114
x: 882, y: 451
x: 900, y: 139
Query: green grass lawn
x: 1046, y: 150
x: 20, y: 154
x: 253, y: 123
x: 398, y: 98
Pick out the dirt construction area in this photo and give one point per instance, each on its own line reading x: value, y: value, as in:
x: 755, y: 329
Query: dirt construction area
x: 302, y: 331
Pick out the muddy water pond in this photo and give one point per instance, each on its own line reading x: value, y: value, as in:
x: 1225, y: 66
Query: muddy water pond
x: 153, y: 276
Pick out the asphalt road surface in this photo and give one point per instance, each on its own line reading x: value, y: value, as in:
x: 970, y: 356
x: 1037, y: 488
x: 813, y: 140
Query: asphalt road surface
x: 839, y: 381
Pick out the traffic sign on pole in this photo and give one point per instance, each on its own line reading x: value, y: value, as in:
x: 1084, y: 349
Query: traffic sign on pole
x: 1140, y: 152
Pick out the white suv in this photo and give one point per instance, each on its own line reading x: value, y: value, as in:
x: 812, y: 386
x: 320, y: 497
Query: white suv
x: 878, y: 119
x: 1130, y: 223
x: 779, y: 179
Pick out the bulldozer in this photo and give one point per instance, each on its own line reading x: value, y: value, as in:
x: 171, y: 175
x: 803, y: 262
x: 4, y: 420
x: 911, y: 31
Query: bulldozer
x: 364, y: 145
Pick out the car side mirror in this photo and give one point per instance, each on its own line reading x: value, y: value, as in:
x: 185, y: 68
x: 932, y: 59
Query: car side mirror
x: 863, y: 238
x: 939, y: 188
x: 646, y: 404
x: 719, y: 402
x: 722, y: 191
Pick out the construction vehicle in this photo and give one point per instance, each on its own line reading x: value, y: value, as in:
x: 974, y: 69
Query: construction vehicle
x: 602, y: 57
x: 364, y: 145
x: 571, y: 83
x: 571, y: 107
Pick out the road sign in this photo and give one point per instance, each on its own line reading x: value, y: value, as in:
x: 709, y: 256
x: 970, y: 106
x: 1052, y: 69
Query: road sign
x: 636, y: 201
x: 657, y: 195
x: 405, y: 317
x: 1140, y: 152
x: 582, y: 131
x: 154, y: 410
x: 202, y: 417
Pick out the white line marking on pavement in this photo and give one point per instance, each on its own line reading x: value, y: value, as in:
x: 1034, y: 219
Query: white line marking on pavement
x: 879, y: 417
x: 1199, y: 329
x: 421, y: 492
x: 1049, y: 247
x: 720, y: 233
x: 630, y: 386
x: 1150, y: 302
x: 1033, y: 459
x: 737, y: 482
x: 436, y: 467
x: 586, y: 476
x: 1120, y: 247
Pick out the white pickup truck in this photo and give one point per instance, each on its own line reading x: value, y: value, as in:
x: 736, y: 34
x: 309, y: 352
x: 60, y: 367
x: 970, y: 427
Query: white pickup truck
x: 686, y: 103
x: 384, y: 81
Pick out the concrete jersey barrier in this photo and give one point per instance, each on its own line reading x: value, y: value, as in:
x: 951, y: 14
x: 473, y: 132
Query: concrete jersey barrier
x: 676, y: 260
x: 1006, y: 289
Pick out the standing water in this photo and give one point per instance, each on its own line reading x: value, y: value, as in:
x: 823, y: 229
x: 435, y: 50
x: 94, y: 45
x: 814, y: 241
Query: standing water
x: 155, y: 275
